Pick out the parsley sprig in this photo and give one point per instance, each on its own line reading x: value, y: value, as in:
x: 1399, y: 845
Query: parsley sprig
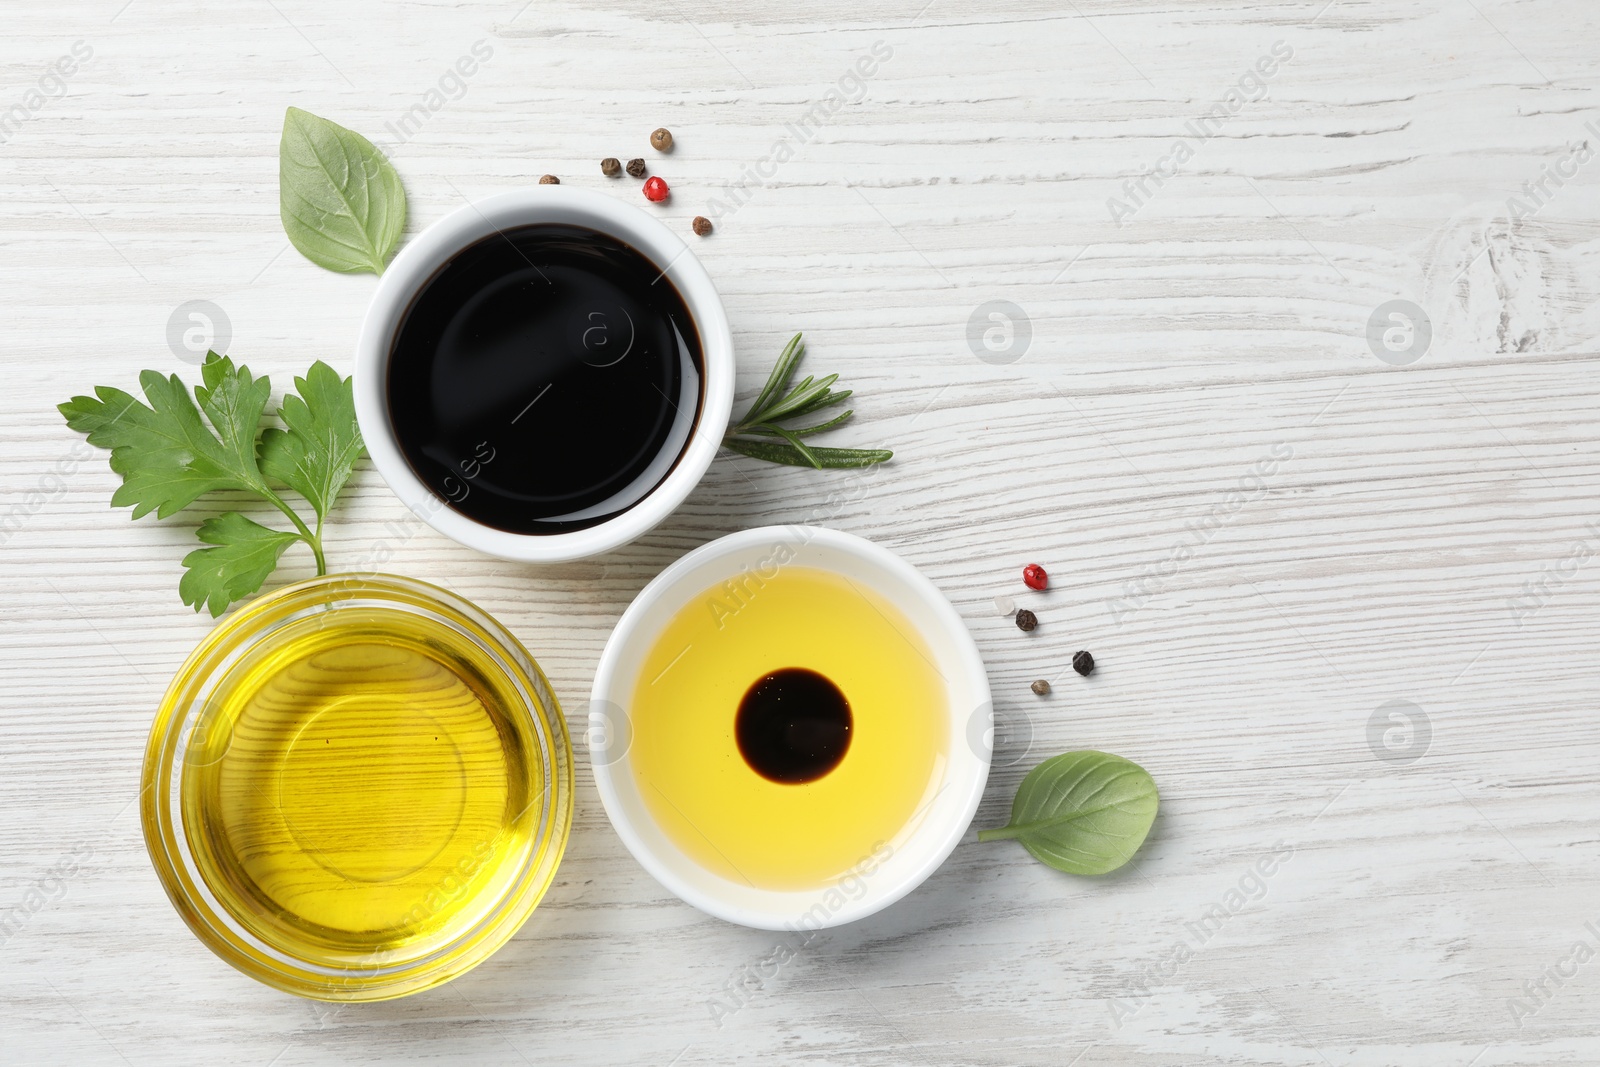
x: 754, y: 434
x: 173, y: 450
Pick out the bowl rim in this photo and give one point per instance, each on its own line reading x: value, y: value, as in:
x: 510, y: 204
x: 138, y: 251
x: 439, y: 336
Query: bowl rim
x: 429, y: 251
x: 166, y: 839
x: 652, y: 848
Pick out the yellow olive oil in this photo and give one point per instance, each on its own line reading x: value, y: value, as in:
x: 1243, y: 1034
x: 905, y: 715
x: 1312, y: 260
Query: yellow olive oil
x: 784, y: 727
x: 361, y: 788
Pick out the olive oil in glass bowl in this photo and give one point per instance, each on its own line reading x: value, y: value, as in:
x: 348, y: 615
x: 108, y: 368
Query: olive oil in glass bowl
x: 357, y: 788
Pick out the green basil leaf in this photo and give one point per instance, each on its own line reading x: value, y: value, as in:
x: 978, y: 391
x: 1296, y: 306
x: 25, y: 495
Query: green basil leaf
x: 340, y: 198
x: 1082, y: 812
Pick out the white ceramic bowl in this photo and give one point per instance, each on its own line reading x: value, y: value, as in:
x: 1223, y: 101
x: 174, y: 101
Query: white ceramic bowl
x: 428, y: 252
x: 932, y: 833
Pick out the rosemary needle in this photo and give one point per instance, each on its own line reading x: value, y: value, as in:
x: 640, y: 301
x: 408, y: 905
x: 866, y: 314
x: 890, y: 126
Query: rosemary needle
x: 759, y: 436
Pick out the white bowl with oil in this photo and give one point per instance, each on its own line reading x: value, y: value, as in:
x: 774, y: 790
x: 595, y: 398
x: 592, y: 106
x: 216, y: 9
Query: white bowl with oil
x: 680, y: 815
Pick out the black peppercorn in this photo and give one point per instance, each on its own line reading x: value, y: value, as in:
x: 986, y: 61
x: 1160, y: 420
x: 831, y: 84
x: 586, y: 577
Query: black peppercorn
x: 1083, y: 663
x: 1026, y: 620
x: 1041, y: 687
x: 610, y: 167
x: 549, y: 179
x: 636, y: 168
x: 702, y: 225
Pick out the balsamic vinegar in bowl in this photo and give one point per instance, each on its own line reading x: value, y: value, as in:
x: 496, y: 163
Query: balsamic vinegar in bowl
x: 547, y: 378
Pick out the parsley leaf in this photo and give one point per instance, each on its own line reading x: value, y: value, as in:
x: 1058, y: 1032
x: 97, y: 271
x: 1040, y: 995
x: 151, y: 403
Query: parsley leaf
x: 246, y: 553
x: 234, y: 402
x: 173, y: 450
x: 317, y: 453
x: 165, y: 452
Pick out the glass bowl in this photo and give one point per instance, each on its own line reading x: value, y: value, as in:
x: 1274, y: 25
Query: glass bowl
x: 357, y: 788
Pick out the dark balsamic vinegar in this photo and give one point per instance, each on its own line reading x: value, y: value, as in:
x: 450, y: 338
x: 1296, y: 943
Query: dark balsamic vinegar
x: 793, y: 726
x: 545, y: 379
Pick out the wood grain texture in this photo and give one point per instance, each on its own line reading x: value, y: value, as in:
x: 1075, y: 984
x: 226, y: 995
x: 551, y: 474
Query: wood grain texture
x: 1423, y: 534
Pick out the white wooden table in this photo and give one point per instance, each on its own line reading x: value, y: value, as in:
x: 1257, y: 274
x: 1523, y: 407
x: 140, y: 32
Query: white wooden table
x: 1264, y: 532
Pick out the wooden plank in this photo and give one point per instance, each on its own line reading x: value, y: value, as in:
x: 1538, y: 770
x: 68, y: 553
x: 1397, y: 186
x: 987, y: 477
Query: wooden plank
x: 1397, y: 533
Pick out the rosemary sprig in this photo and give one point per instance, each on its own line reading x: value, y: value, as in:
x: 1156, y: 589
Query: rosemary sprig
x: 759, y: 436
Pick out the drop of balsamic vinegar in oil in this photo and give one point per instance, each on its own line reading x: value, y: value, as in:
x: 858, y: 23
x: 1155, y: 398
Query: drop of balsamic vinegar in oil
x: 793, y: 726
